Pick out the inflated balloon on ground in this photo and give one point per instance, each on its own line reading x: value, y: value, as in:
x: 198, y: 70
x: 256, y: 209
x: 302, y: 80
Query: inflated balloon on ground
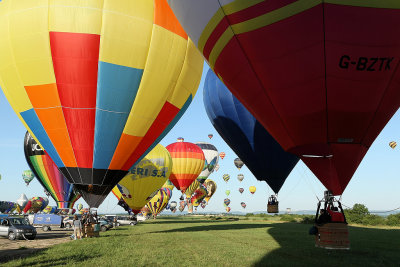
x: 100, y: 83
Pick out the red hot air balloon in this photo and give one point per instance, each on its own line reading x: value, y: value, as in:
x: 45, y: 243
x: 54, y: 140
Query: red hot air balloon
x: 188, y: 162
x: 320, y: 76
x: 210, y: 136
x: 222, y: 155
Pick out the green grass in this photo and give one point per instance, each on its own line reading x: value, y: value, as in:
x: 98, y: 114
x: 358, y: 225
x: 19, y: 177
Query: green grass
x: 179, y: 241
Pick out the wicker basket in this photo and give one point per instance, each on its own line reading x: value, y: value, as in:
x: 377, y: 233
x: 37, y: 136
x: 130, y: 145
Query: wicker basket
x: 273, y: 208
x: 333, y: 236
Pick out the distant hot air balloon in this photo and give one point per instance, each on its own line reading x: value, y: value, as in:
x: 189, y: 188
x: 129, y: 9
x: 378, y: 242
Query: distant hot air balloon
x: 241, y: 190
x: 252, y: 189
x: 240, y: 177
x: 22, y: 201
x: 48, y: 175
x: 169, y: 185
x: 245, y: 135
x: 50, y: 209
x: 227, y: 192
x: 145, y: 179
x: 243, y: 205
x: 216, y: 167
x: 210, y: 136
x: 187, y: 163
x: 228, y: 209
x: 182, y: 205
x: 222, y: 155
x: 80, y: 207
x: 173, y: 204
x: 227, y: 201
x: 393, y: 144
x: 309, y: 73
x: 27, y: 176
x: 102, y: 84
x: 203, y: 204
x: 211, y: 160
x: 211, y: 188
x: 199, y: 195
x: 238, y: 163
x: 226, y: 177
x: 157, y: 204
x: 35, y: 205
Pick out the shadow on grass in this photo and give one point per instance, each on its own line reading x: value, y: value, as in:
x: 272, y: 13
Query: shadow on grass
x: 217, y: 227
x: 12, y: 254
x: 191, y: 221
x: 369, y: 247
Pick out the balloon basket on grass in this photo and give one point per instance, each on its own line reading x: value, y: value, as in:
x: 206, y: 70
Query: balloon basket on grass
x: 331, y: 224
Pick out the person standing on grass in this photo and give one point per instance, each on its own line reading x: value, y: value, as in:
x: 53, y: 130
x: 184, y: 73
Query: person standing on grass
x: 77, y: 227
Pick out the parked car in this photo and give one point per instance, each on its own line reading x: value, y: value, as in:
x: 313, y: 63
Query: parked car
x: 111, y: 218
x: 105, y: 225
x: 16, y: 228
x: 127, y: 220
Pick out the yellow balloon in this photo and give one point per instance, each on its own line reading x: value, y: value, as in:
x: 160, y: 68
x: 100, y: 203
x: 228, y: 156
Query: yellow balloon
x: 145, y: 179
x: 252, y: 189
x: 169, y: 185
x: 158, y: 202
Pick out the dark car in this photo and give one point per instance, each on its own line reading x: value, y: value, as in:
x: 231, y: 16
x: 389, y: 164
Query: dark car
x: 105, y: 225
x: 16, y: 228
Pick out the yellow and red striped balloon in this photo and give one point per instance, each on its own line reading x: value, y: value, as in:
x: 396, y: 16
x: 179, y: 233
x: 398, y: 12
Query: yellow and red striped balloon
x: 187, y: 163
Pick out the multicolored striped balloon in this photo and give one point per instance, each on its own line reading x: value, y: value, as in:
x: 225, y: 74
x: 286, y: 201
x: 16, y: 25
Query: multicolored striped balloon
x: 393, y: 144
x: 98, y: 83
x: 228, y: 209
x: 226, y: 177
x: 48, y: 175
x: 222, y: 155
x: 187, y: 163
x: 227, y: 201
x: 158, y: 202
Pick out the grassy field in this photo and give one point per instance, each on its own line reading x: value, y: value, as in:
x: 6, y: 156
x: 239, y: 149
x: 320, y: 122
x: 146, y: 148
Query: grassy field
x: 180, y: 241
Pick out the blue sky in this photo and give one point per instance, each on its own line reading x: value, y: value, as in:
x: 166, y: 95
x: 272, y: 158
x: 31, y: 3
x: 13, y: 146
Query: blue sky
x: 376, y: 183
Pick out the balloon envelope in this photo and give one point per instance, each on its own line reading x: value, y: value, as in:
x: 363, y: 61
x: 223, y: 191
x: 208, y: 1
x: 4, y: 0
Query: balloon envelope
x: 187, y: 163
x: 238, y: 163
x: 226, y: 177
x: 246, y: 136
x: 100, y: 83
x: 227, y: 201
x: 28, y: 176
x: 252, y: 189
x: 145, y: 179
x: 158, y: 202
x: 240, y: 177
x: 48, y: 175
x: 310, y: 74
x: 211, y: 188
x: 211, y: 160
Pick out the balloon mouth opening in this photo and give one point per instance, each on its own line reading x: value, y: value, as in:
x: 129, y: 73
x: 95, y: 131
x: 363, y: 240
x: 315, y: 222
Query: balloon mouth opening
x: 317, y: 156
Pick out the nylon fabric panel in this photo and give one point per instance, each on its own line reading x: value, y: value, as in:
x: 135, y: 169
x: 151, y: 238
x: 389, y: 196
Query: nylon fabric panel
x: 75, y: 16
x: 165, y: 116
x: 187, y: 82
x: 28, y: 24
x: 126, y: 46
x: 37, y: 163
x: 350, y: 117
x: 152, y: 92
x: 117, y: 88
x: 32, y: 119
x: 200, y: 12
x: 162, y: 17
